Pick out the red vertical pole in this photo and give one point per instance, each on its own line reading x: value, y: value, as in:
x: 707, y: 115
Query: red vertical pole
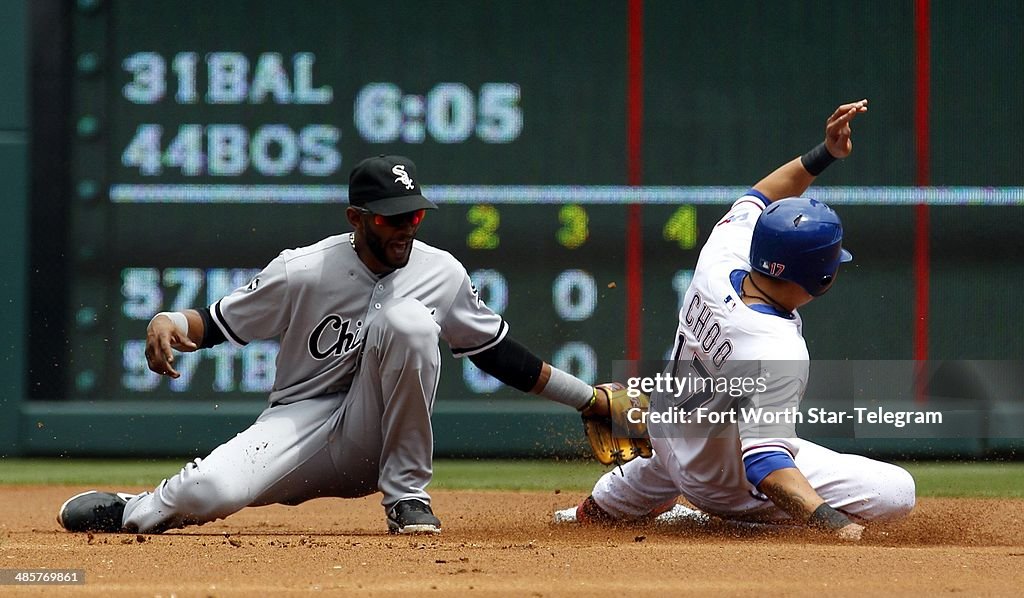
x: 634, y: 174
x: 922, y: 100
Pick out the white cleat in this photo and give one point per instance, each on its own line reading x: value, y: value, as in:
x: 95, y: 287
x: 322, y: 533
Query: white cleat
x: 680, y: 514
x: 565, y: 516
x: 676, y: 515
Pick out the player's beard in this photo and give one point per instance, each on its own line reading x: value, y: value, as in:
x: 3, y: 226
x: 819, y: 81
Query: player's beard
x: 392, y: 258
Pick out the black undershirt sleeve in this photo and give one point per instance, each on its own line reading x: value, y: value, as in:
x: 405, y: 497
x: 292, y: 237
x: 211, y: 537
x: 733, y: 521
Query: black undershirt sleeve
x: 511, y: 363
x: 211, y: 332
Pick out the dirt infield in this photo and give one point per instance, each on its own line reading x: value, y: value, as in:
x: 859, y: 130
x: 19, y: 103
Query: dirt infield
x: 503, y: 543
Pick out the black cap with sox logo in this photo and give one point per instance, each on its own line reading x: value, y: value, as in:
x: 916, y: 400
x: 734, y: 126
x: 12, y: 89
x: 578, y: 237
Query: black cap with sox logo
x: 387, y: 185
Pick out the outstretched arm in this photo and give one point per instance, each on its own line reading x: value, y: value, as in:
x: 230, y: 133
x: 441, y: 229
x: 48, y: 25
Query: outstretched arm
x: 794, y: 177
x: 514, y: 365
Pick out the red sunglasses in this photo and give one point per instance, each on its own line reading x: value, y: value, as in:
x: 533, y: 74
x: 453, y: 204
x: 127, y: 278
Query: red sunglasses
x: 398, y: 220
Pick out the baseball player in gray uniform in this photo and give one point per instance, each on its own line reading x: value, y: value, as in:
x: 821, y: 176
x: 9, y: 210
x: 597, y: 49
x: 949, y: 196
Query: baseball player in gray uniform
x: 359, y: 316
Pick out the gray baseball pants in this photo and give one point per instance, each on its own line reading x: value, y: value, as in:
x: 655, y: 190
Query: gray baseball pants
x: 377, y: 436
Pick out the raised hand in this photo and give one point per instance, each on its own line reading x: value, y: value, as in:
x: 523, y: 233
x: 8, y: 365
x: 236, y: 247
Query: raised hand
x: 837, y: 128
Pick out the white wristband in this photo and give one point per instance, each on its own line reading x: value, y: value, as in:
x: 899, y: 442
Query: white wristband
x: 567, y: 389
x: 179, y: 319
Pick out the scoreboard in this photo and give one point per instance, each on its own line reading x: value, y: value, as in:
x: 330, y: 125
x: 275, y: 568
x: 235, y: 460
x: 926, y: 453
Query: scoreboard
x: 207, y: 137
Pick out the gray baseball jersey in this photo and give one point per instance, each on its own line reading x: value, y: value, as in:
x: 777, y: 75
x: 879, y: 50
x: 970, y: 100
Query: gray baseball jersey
x: 319, y: 299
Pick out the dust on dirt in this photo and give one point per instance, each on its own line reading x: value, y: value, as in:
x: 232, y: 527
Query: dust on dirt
x: 504, y: 543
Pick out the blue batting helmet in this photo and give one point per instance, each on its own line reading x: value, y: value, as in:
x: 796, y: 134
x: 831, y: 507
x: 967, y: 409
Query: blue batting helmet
x: 800, y: 240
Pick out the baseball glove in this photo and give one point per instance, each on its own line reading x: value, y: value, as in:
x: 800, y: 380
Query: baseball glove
x: 615, y: 439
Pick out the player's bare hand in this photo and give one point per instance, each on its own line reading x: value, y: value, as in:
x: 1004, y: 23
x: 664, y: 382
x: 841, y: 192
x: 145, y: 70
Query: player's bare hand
x: 162, y: 338
x: 837, y: 128
x: 850, y: 533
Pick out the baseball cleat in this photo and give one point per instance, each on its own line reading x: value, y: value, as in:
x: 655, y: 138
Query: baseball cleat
x: 565, y: 515
x: 412, y: 516
x: 93, y: 511
x: 589, y: 512
x: 680, y: 514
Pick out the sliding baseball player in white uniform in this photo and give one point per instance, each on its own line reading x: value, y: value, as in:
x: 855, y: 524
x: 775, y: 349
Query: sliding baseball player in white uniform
x: 764, y: 259
x: 359, y: 316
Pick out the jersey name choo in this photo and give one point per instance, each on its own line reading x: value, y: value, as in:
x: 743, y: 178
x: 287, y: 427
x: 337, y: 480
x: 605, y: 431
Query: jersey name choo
x: 706, y: 331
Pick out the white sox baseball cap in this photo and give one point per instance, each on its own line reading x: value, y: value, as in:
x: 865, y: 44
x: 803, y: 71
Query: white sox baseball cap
x: 387, y: 185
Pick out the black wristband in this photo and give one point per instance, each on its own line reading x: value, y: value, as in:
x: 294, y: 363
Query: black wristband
x: 827, y: 518
x: 817, y: 160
